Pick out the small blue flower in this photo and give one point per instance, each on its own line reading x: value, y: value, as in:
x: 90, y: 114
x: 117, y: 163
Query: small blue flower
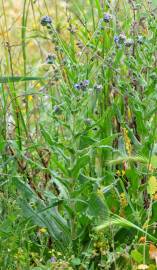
x: 116, y: 39
x: 81, y: 85
x: 77, y: 86
x: 46, y: 20
x: 107, y: 17
x: 85, y: 83
x: 53, y: 260
x: 56, y: 109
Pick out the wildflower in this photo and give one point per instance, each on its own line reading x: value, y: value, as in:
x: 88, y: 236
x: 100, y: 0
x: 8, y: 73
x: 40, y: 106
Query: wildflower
x: 85, y: 83
x: 38, y: 85
x: 53, y: 260
x: 127, y: 141
x: 107, y: 17
x: 128, y: 42
x: 42, y: 230
x: 122, y: 38
x: 116, y: 39
x: 30, y: 98
x: 46, y: 21
x: 56, y: 109
x: 118, y: 173
x: 142, y: 240
x: 50, y: 59
x: 123, y: 200
x: 77, y: 86
x: 81, y: 85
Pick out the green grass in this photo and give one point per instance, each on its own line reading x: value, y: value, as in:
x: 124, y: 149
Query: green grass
x: 78, y: 136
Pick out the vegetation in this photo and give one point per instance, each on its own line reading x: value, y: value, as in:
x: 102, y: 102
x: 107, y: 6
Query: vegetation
x: 78, y: 135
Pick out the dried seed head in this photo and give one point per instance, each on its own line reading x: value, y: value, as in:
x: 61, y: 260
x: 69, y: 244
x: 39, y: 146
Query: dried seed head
x: 50, y: 59
x: 122, y: 38
x: 128, y: 42
x: 98, y: 87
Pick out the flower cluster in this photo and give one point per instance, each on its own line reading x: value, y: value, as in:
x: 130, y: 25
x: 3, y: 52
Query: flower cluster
x: 127, y: 141
x: 81, y: 85
x: 121, y: 39
x: 46, y: 21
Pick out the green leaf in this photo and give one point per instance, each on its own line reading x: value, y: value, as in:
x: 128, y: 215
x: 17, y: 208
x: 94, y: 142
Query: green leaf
x: 154, y: 161
x: 137, y: 256
x: 152, y: 185
x: 80, y: 163
x: 119, y: 221
x: 76, y: 261
x: 97, y: 207
x: 8, y: 79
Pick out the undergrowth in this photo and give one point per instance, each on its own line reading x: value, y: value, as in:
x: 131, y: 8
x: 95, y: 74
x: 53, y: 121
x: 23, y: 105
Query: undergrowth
x: 78, y: 135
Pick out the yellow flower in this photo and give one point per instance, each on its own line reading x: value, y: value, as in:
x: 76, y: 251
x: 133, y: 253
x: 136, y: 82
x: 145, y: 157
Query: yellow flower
x: 43, y: 230
x: 38, y: 85
x: 123, y: 200
x: 30, y: 97
x: 127, y: 140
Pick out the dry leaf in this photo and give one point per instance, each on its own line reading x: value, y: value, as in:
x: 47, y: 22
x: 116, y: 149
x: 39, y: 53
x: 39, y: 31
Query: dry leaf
x: 142, y: 239
x: 153, y: 252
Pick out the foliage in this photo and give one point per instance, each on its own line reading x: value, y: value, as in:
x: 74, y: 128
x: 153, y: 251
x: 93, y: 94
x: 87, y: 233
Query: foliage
x: 78, y: 135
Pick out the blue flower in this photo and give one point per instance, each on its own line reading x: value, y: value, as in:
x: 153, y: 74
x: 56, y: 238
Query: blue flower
x: 116, y: 39
x: 107, y: 17
x: 119, y: 40
x: 53, y: 260
x: 81, y: 85
x: 46, y: 20
x: 56, y: 109
x: 85, y: 83
x: 77, y: 86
